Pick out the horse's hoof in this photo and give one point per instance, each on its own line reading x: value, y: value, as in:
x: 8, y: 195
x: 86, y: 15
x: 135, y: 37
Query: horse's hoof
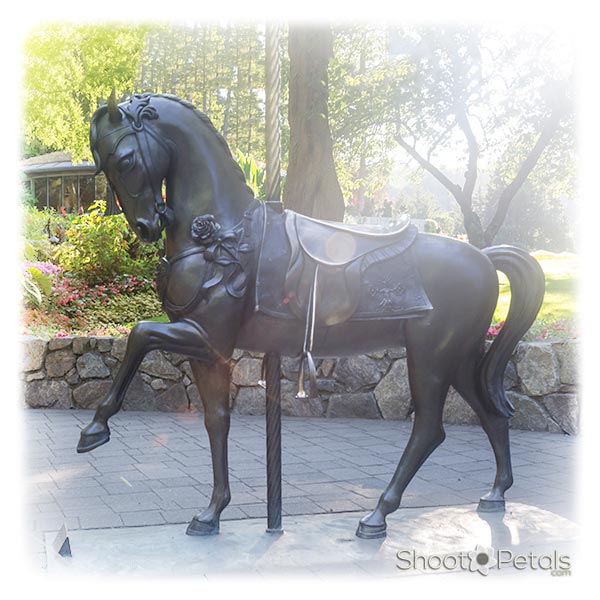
x: 491, y: 506
x: 89, y: 441
x: 370, y: 532
x: 197, y: 527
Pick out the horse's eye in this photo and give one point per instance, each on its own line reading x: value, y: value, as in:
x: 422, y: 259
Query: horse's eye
x: 126, y: 163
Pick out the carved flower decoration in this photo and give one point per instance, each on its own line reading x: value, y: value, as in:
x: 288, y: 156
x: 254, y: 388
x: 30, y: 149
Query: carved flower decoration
x: 204, y: 229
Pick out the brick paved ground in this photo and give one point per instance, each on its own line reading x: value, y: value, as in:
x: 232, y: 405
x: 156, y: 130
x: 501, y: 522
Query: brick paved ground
x: 156, y: 469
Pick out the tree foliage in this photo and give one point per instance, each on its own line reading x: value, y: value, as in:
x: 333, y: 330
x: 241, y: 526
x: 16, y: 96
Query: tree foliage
x: 483, y: 111
x: 494, y: 100
x: 68, y: 68
x: 361, y: 80
x: 217, y: 66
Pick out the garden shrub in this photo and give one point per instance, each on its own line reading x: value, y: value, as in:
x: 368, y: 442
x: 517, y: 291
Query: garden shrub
x: 99, y: 248
x: 37, y: 228
x: 123, y: 310
x: 36, y: 283
x: 97, y: 276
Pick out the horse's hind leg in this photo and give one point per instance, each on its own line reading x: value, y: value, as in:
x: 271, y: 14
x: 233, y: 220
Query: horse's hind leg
x: 496, y: 428
x: 213, y: 384
x: 429, y: 387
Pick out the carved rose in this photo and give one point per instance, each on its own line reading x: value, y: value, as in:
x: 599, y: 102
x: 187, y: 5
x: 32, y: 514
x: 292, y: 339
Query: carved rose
x: 204, y: 229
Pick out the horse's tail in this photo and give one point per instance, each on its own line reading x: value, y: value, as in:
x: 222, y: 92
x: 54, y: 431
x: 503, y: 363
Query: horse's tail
x: 527, y: 286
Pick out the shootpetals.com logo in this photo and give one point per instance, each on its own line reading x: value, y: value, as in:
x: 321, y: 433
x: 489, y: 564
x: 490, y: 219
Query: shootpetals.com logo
x: 483, y: 560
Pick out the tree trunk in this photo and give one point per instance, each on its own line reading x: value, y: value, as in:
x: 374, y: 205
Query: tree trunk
x: 311, y: 186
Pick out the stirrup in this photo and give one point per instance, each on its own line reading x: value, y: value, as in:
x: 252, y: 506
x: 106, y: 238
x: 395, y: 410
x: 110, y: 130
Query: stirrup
x: 312, y: 378
x: 262, y: 382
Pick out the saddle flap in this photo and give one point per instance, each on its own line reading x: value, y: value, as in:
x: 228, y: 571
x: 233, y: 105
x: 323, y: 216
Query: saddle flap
x: 337, y: 292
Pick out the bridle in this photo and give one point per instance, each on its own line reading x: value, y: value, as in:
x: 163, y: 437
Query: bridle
x: 135, y: 125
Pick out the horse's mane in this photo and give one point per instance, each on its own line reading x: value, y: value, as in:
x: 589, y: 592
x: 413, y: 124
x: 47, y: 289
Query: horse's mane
x: 239, y: 173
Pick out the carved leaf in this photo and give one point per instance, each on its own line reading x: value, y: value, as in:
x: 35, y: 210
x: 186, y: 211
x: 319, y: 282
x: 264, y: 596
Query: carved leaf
x: 214, y: 280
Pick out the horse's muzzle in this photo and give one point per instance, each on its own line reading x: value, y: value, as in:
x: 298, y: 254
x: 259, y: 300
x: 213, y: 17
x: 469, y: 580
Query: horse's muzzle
x: 147, y: 231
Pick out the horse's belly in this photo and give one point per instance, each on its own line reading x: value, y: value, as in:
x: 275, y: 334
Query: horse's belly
x: 262, y: 333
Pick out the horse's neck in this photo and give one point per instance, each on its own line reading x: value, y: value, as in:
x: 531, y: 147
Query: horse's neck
x: 203, y: 180
x: 200, y: 187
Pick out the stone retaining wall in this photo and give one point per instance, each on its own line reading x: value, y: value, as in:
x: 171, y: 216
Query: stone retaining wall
x: 76, y: 372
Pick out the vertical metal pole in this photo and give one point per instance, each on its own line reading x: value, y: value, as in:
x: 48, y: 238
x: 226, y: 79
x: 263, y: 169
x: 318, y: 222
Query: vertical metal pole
x: 272, y: 359
x: 272, y: 124
x: 273, y: 410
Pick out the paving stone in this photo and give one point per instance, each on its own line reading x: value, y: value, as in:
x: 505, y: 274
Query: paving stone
x: 179, y: 515
x: 136, y: 501
x: 340, y: 505
x: 302, y: 507
x: 98, y: 519
x: 146, y: 517
x: 254, y: 510
x: 53, y: 522
x: 156, y: 460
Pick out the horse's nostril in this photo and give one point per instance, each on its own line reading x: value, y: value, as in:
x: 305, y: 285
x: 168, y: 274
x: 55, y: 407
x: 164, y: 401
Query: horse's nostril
x: 143, y: 230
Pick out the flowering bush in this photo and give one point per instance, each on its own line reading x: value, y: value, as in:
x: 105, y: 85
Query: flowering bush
x: 494, y: 330
x: 97, y: 278
x: 99, y: 248
x: 70, y: 305
x: 72, y: 297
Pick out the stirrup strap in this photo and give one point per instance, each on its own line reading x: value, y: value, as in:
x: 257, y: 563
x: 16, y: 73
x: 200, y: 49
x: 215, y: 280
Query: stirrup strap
x: 309, y: 333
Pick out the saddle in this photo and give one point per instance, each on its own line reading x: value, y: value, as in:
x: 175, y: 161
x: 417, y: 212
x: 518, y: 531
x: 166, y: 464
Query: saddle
x: 327, y: 261
x: 325, y: 273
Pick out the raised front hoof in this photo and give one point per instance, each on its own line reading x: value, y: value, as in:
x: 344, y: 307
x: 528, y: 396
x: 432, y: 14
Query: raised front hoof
x: 92, y: 436
x: 371, y: 532
x: 197, y: 527
x: 491, y: 506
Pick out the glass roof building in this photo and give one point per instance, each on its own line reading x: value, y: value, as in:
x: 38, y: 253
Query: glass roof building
x: 56, y: 182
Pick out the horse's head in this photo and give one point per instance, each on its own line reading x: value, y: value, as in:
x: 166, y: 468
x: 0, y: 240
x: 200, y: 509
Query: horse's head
x: 135, y: 160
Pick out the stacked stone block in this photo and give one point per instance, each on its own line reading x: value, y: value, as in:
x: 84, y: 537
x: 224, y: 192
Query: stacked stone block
x: 76, y: 372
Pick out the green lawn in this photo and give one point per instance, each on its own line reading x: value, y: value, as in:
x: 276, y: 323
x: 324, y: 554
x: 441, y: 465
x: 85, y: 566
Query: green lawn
x: 560, y: 301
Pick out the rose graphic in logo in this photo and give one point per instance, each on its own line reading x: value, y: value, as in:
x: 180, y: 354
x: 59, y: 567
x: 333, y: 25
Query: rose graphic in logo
x: 482, y: 559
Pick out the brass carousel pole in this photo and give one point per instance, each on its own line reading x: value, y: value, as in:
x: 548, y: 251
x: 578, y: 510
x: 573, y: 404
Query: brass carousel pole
x: 273, y: 359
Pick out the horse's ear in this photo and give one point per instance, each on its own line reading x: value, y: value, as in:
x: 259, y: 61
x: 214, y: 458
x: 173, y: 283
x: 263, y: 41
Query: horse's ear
x: 114, y: 113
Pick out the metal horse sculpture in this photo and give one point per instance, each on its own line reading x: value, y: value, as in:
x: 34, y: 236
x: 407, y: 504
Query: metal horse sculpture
x: 239, y: 273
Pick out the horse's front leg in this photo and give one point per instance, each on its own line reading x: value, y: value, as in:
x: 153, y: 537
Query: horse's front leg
x: 183, y: 337
x: 213, y: 381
